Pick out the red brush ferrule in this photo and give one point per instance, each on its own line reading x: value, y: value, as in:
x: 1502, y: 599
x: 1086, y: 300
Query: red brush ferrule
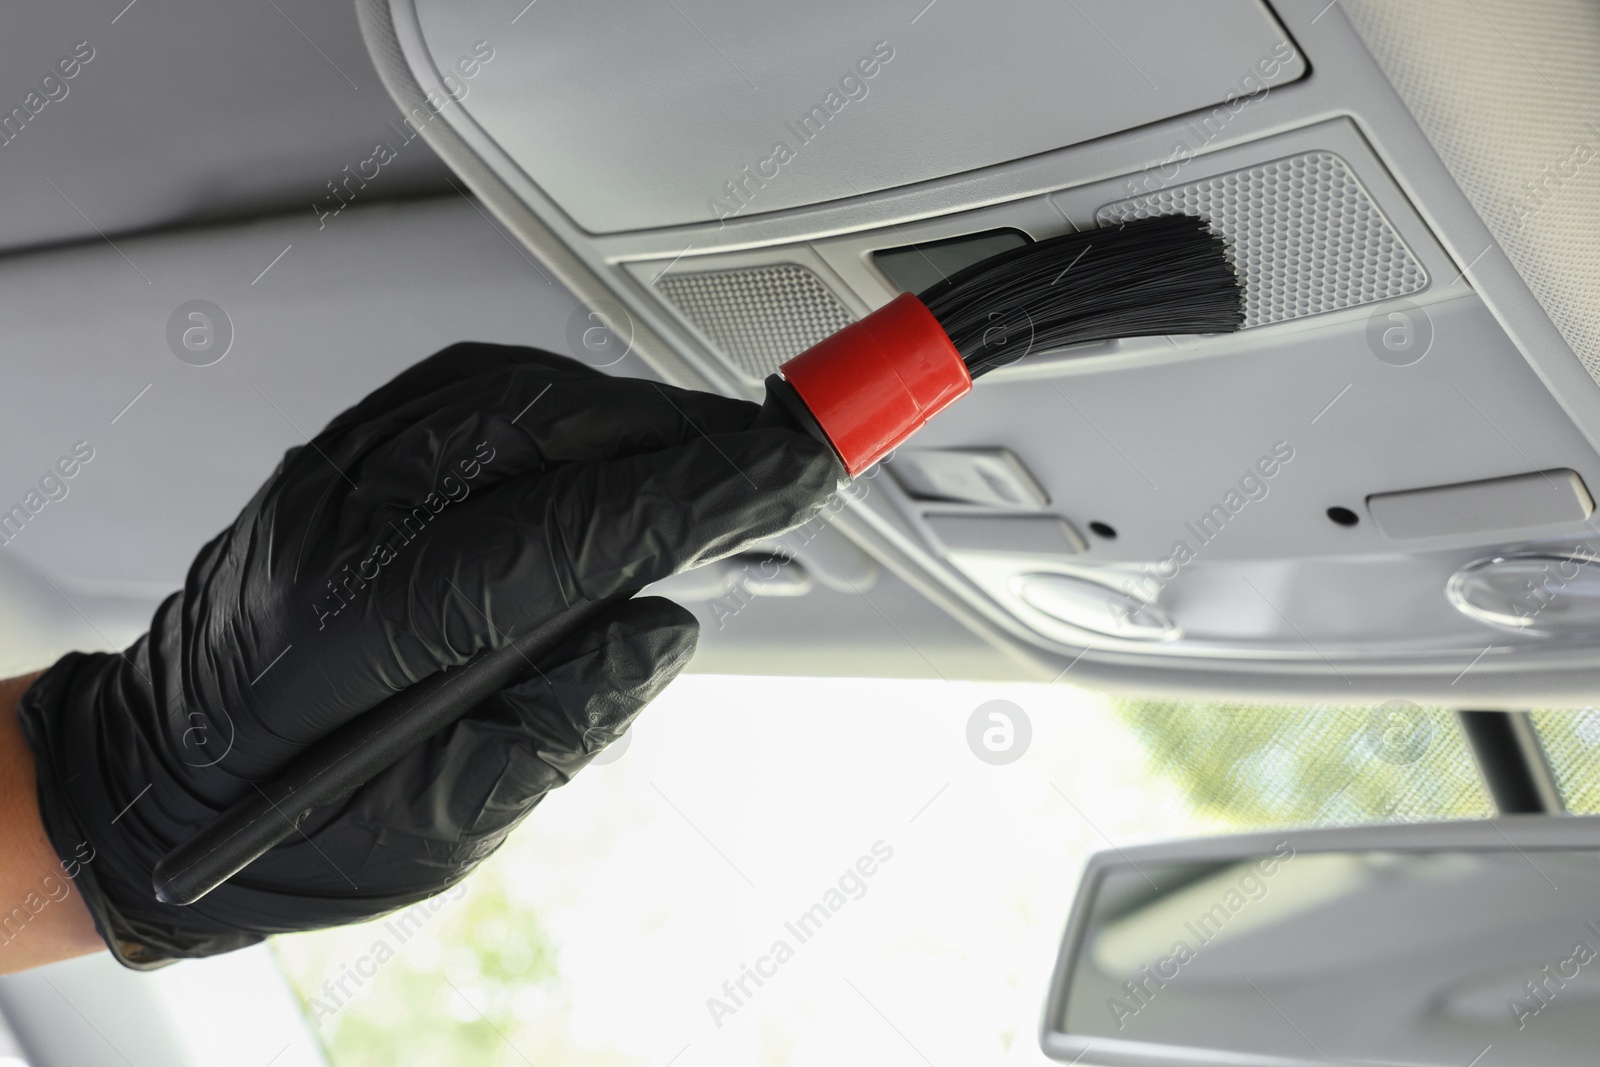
x: 877, y: 381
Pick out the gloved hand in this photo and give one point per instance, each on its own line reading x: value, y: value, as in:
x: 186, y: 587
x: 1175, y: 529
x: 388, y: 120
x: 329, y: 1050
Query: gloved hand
x: 472, y: 498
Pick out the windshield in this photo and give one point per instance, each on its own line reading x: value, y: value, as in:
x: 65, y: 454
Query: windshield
x: 823, y: 871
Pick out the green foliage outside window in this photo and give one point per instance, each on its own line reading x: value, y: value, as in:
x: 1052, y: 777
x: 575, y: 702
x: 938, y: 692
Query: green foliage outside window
x: 465, y: 974
x: 1245, y: 767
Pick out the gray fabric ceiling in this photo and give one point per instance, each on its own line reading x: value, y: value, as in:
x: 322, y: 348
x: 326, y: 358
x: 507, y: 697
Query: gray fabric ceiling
x: 188, y: 112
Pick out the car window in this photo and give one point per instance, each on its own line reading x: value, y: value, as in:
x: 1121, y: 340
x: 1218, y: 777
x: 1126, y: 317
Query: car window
x: 824, y: 871
x: 1571, y: 743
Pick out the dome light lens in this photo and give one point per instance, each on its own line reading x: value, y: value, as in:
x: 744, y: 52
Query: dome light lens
x: 1537, y: 593
x: 1100, y: 609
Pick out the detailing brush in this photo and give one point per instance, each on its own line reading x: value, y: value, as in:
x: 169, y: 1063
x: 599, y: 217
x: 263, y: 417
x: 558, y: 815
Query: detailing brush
x: 873, y: 384
x: 863, y: 391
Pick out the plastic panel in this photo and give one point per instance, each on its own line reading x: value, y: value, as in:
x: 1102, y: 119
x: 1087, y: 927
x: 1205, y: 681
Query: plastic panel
x: 861, y: 97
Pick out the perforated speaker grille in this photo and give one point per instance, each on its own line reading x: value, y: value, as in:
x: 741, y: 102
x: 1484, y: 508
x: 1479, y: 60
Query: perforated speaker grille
x: 1304, y: 233
x: 757, y: 317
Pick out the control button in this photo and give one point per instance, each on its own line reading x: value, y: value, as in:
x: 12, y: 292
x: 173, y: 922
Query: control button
x: 1028, y: 535
x: 1495, y: 505
x: 990, y: 476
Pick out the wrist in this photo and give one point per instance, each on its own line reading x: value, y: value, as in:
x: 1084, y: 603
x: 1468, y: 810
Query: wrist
x: 43, y: 915
x: 101, y: 829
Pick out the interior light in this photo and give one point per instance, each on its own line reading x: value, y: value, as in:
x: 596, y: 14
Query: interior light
x: 1098, y: 608
x: 1541, y: 593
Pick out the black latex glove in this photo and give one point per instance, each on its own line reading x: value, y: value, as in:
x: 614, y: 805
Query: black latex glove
x: 472, y: 498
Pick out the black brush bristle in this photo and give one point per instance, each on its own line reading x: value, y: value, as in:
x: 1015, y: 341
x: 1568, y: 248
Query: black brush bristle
x: 1164, y: 275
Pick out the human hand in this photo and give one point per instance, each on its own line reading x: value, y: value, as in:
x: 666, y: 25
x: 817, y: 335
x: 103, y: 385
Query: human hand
x: 476, y: 496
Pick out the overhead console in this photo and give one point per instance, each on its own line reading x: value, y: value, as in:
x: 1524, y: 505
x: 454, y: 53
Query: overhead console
x: 1329, y: 497
x: 680, y: 114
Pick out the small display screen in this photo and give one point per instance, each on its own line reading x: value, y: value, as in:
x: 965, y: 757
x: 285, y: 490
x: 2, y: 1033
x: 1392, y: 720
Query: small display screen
x: 915, y: 267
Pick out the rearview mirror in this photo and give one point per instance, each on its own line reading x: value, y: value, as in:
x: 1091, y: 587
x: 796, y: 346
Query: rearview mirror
x: 1448, y: 943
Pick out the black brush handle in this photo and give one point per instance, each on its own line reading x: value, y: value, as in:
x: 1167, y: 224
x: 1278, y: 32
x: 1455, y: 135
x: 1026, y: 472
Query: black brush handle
x: 352, y: 755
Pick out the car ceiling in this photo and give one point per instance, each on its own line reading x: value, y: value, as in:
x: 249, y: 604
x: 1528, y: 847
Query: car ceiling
x: 188, y: 113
